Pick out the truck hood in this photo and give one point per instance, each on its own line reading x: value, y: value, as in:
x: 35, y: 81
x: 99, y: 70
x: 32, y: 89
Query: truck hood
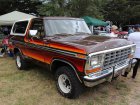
x: 90, y: 43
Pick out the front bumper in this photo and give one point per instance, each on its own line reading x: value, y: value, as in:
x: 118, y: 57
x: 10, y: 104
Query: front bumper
x: 91, y: 81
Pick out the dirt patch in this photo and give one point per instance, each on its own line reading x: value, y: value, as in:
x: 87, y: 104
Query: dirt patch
x: 37, y: 87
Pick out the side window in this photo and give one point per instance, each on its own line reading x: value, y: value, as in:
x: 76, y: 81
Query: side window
x: 20, y: 27
x: 38, y: 25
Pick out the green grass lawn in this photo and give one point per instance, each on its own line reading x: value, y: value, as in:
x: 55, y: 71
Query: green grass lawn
x: 37, y: 87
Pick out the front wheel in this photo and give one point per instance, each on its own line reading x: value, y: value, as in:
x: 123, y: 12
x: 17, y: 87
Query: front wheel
x: 67, y: 83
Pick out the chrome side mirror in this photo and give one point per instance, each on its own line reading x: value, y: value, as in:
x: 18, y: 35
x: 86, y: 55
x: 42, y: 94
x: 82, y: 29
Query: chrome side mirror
x: 33, y: 32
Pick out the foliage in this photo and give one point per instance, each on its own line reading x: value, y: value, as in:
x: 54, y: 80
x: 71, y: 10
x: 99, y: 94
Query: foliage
x: 74, y: 8
x: 27, y: 6
x: 120, y: 12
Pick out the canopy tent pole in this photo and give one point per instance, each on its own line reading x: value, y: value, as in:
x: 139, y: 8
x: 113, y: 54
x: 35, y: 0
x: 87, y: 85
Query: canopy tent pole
x: 91, y: 28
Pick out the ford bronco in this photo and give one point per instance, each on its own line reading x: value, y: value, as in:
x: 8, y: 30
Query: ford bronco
x: 68, y: 49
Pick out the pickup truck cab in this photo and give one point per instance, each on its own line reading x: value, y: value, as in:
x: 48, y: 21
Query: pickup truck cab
x: 68, y: 49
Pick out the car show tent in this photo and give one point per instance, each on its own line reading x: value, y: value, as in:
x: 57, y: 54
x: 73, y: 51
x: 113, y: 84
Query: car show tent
x: 91, y: 22
x: 94, y: 21
x: 10, y: 18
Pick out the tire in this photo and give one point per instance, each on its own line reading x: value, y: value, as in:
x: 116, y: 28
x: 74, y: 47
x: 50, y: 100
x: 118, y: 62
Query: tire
x: 20, y: 62
x: 67, y: 83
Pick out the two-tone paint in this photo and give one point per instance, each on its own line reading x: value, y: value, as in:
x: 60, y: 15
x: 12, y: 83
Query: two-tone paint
x: 72, y: 50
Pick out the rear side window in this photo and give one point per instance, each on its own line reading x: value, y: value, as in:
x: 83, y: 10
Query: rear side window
x: 20, y: 27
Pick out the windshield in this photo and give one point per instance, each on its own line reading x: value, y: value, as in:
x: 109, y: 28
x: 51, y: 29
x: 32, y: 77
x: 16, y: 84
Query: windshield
x: 70, y: 26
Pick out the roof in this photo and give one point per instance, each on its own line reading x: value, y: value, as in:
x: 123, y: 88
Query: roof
x: 59, y: 18
x: 94, y: 21
x: 10, y: 18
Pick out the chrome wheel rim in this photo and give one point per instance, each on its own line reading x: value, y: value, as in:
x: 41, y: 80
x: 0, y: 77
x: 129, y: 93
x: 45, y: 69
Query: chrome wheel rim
x: 18, y: 61
x: 64, y: 83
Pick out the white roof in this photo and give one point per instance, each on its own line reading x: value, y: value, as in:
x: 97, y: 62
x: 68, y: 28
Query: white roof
x: 10, y: 18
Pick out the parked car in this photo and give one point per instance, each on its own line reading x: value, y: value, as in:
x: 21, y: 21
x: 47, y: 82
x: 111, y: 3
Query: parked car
x: 105, y: 33
x: 123, y: 34
x: 69, y: 50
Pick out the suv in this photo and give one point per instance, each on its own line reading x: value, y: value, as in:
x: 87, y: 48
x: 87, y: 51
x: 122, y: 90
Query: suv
x: 68, y: 49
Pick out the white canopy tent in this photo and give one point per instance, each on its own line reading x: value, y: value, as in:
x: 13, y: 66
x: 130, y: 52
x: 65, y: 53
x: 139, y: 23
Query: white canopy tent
x: 10, y: 18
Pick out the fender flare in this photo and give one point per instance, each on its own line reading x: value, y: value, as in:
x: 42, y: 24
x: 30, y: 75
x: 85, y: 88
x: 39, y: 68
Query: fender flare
x: 64, y: 61
x: 18, y: 50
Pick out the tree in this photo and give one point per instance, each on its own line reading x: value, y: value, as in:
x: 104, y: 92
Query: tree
x: 74, y: 8
x: 53, y: 8
x: 27, y: 6
x: 122, y: 12
x: 134, y: 12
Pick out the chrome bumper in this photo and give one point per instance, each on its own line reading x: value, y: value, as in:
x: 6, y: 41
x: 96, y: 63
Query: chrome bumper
x: 91, y: 81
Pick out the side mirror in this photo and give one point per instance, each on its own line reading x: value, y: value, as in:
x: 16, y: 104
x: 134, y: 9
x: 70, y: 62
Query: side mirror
x: 33, y: 32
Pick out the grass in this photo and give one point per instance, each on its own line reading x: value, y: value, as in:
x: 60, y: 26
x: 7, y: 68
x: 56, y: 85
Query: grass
x: 37, y: 87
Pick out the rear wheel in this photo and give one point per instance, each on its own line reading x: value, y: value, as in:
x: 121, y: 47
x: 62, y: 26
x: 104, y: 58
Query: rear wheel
x: 67, y: 83
x: 20, y: 62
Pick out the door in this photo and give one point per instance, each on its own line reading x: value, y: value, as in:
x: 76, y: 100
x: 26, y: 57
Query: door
x: 35, y: 43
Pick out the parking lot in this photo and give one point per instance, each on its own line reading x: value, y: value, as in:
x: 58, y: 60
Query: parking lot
x: 37, y: 87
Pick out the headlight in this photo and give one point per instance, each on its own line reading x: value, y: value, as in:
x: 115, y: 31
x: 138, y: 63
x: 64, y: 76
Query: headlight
x: 96, y: 61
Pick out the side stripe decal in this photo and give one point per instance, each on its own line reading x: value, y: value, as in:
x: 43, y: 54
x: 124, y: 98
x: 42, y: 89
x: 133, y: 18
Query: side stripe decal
x: 45, y: 48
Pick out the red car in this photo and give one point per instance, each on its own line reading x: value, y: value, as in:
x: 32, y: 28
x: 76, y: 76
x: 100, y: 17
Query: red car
x: 122, y: 34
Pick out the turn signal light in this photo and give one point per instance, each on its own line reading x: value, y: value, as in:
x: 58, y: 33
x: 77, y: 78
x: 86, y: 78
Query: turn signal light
x: 93, y: 70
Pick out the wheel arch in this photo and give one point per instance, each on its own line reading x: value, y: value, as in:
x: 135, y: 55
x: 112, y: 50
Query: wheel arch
x: 16, y: 50
x: 59, y: 62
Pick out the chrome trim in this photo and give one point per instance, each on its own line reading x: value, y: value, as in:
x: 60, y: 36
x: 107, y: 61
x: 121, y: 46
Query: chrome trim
x: 91, y: 84
x: 94, y: 78
x: 115, y: 49
x: 119, y: 57
x: 68, y: 64
x: 122, y: 67
x: 110, y: 71
x: 87, y: 66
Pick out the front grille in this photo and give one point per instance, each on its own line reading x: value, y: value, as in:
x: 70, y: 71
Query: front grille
x: 116, y: 57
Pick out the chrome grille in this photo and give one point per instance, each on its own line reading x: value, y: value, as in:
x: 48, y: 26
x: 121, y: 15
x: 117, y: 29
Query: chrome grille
x: 116, y: 57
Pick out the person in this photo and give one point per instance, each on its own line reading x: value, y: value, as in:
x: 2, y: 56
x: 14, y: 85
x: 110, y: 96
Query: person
x: 108, y: 28
x: 130, y: 30
x: 135, y: 37
x: 3, y: 51
x: 5, y: 44
x: 114, y: 31
x: 5, y: 31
